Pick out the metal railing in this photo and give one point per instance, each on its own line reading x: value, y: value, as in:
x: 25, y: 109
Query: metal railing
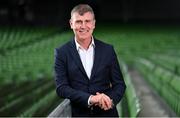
x: 62, y: 110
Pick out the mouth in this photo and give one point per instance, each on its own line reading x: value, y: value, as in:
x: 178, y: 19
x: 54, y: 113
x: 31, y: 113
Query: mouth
x: 83, y: 31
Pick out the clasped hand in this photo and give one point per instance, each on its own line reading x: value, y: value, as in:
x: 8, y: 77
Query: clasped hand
x: 101, y: 100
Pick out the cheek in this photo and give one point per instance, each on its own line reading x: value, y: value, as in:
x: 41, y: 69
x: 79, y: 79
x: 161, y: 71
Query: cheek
x: 76, y: 28
x: 92, y: 26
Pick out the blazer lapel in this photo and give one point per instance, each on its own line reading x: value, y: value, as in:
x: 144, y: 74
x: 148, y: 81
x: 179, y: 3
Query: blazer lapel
x: 97, y: 58
x: 76, y: 57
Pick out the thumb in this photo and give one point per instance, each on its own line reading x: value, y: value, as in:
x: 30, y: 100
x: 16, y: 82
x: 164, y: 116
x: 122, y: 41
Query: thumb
x: 97, y: 93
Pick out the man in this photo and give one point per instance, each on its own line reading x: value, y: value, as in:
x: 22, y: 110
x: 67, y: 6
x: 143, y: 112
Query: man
x: 87, y: 70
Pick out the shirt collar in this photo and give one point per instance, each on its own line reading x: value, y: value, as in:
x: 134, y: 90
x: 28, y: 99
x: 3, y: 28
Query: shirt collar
x: 78, y: 46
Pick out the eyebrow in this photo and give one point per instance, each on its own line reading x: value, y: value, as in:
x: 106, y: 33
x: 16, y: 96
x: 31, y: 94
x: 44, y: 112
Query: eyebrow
x: 78, y: 20
x: 85, y: 20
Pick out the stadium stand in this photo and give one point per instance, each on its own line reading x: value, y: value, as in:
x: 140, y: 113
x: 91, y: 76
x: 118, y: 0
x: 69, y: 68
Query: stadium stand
x: 26, y: 61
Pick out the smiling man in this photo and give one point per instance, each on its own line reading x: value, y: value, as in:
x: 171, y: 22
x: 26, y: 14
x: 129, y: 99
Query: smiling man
x: 87, y: 70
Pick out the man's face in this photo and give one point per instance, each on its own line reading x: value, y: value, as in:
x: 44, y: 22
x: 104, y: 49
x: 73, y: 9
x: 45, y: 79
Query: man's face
x: 82, y: 26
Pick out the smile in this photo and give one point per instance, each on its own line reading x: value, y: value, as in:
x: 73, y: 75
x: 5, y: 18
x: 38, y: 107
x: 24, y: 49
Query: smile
x: 83, y: 31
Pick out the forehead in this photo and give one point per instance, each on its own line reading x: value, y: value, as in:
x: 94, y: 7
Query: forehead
x: 77, y: 16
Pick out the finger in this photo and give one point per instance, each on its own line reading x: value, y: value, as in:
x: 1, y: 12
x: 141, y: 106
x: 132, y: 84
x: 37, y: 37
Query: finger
x: 95, y: 99
x: 105, y: 107
x: 97, y: 93
x: 96, y: 104
x: 100, y: 102
x: 107, y: 101
x: 103, y: 104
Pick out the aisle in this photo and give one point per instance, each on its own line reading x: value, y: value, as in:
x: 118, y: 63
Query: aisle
x: 151, y: 103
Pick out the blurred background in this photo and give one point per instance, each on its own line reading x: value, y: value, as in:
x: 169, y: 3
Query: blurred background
x: 144, y: 33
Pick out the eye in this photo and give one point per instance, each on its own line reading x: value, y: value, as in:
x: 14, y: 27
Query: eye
x: 88, y: 21
x: 78, y: 22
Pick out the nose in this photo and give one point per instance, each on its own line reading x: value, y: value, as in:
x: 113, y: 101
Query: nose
x: 83, y: 24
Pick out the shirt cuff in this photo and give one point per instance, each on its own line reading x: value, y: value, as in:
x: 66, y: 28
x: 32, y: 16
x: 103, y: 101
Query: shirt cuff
x: 89, y: 103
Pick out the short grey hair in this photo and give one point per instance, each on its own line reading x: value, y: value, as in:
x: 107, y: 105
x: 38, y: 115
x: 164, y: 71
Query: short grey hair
x: 81, y: 9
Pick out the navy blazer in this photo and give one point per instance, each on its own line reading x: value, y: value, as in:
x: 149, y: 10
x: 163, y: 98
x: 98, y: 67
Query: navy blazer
x: 73, y: 83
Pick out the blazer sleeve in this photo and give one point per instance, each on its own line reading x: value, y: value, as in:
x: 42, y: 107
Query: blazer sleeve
x: 63, y: 88
x: 117, y: 81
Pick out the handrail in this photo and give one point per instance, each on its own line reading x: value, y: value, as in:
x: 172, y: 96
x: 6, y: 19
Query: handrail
x: 62, y: 110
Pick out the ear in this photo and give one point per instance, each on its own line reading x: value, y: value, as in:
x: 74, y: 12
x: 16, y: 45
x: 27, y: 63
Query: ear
x: 94, y: 23
x: 70, y: 22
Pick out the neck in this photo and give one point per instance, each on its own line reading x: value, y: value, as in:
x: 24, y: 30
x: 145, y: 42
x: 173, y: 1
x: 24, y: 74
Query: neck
x: 84, y: 42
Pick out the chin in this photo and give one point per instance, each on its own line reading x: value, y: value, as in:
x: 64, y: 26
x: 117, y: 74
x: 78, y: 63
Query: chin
x: 84, y: 37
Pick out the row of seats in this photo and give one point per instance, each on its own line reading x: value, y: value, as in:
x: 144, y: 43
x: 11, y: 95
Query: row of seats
x: 30, y: 99
x: 11, y: 38
x: 170, y: 62
x: 164, y: 81
x: 133, y: 103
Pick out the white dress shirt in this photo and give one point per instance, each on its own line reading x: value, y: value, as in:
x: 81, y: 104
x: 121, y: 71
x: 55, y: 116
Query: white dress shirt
x: 87, y: 56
